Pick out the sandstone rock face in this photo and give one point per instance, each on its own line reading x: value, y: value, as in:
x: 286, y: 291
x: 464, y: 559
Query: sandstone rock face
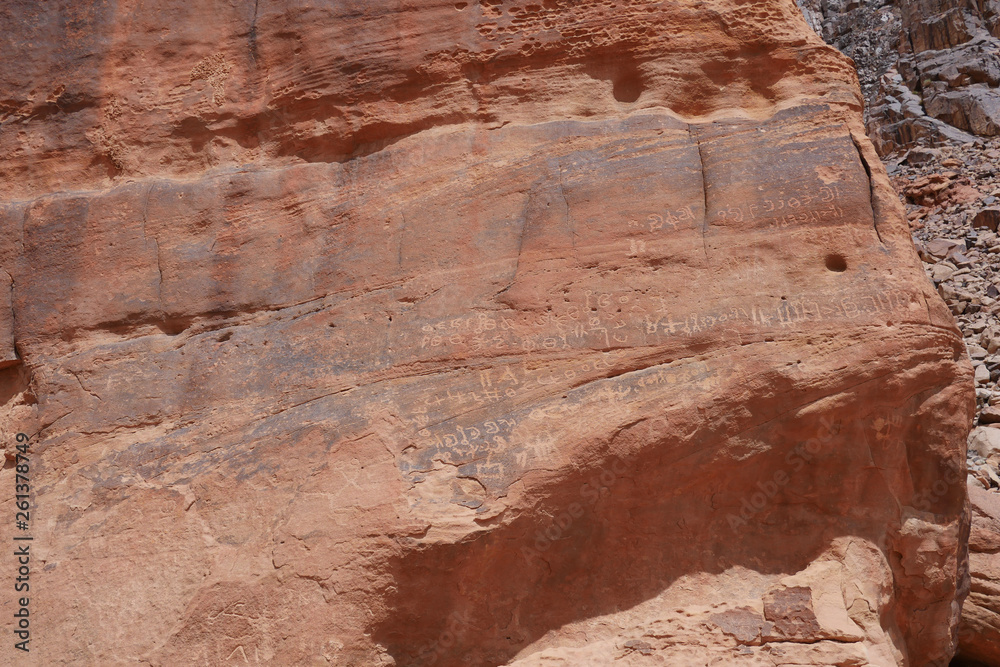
x: 979, y: 635
x: 469, y: 333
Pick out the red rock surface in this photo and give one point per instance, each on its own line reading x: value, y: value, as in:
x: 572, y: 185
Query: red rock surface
x: 979, y: 632
x: 469, y: 334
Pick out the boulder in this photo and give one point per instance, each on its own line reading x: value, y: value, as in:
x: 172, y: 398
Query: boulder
x: 941, y: 248
x: 919, y: 156
x: 975, y: 109
x: 987, y: 218
x: 985, y: 442
x: 941, y: 189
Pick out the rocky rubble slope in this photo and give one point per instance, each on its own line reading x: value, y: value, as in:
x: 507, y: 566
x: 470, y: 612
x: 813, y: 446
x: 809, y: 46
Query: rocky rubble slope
x: 866, y: 31
x: 952, y: 196
x: 468, y: 333
x: 930, y: 69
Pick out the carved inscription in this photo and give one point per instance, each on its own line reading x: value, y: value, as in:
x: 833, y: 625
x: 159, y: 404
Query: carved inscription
x: 629, y: 317
x: 491, y: 447
x: 785, y: 314
x: 478, y: 424
x: 818, y: 206
x: 495, y: 451
x: 668, y: 221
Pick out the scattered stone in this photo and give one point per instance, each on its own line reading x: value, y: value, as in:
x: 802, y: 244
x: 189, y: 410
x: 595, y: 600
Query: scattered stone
x: 959, y: 243
x: 941, y: 272
x: 640, y: 646
x: 984, y: 475
x: 985, y: 442
x: 991, y: 413
x: 940, y: 248
x: 948, y: 293
x: 959, y: 258
x: 918, y: 156
x: 987, y: 218
x: 976, y: 352
x: 937, y: 189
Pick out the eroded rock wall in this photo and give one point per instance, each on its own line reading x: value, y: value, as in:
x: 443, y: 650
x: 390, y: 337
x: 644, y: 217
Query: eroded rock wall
x: 470, y: 334
x: 100, y: 91
x: 979, y: 632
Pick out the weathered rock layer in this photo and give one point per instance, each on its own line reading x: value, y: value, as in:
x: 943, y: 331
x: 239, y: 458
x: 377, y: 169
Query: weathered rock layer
x: 979, y: 633
x: 471, y: 333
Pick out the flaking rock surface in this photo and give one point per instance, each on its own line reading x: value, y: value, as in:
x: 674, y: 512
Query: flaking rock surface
x: 468, y: 333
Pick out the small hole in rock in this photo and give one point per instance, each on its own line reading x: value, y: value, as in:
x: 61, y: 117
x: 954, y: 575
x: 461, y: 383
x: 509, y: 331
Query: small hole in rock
x: 628, y: 88
x: 836, y: 263
x: 175, y: 325
x: 14, y: 382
